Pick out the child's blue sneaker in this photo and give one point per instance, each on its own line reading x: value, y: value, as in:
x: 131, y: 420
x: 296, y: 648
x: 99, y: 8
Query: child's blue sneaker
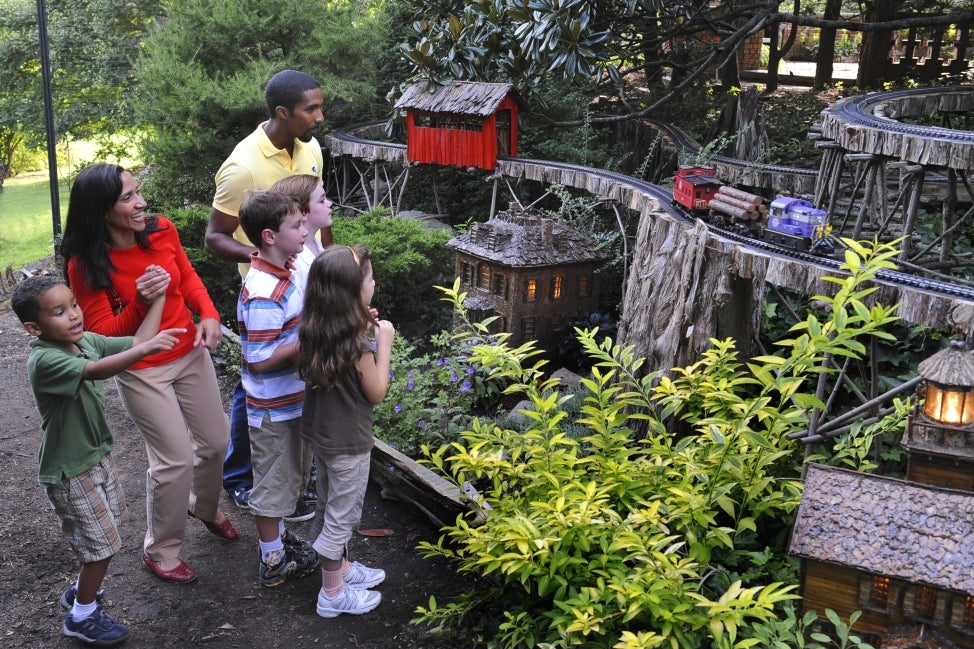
x: 97, y: 629
x: 67, y: 599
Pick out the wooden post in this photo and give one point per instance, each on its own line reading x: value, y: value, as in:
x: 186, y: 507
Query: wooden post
x: 915, y: 175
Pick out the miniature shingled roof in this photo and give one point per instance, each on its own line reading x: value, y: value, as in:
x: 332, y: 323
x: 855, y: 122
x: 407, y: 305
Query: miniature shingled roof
x: 460, y: 97
x: 953, y: 366
x: 887, y: 527
x: 526, y: 239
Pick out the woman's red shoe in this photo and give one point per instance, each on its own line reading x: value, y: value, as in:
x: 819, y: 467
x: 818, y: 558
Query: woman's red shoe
x: 224, y: 530
x: 181, y: 574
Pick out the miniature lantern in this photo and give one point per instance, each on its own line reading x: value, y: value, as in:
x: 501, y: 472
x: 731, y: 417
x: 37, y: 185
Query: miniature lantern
x: 949, y: 375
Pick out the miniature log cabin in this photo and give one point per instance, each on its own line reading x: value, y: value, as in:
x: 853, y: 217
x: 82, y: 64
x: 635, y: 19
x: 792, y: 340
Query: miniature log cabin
x: 531, y: 271
x: 465, y: 123
x: 900, y: 552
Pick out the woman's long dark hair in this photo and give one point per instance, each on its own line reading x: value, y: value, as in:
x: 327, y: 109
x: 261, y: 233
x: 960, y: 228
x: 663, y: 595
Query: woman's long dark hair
x: 93, y: 194
x: 333, y: 318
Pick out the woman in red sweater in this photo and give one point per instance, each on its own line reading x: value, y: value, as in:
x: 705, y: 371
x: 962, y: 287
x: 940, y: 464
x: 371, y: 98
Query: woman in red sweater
x: 118, y: 260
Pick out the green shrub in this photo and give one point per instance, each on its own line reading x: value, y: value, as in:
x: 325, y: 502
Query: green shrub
x: 408, y: 260
x: 432, y: 396
x: 608, y: 541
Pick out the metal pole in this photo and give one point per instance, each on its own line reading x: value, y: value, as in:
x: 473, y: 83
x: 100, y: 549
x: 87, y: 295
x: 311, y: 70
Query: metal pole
x: 49, y: 121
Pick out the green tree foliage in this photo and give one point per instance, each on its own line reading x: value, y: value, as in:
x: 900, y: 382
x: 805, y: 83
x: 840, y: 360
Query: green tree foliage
x: 202, y: 74
x: 617, y: 44
x: 92, y: 44
x: 20, y: 87
x: 612, y: 541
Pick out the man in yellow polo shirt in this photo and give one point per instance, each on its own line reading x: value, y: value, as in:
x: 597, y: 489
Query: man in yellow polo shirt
x: 284, y: 145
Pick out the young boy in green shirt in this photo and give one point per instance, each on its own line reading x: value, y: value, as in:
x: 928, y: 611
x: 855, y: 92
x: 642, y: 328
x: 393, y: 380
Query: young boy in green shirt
x: 66, y: 368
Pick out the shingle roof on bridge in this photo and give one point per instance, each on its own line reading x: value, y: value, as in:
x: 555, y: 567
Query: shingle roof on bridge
x: 460, y: 97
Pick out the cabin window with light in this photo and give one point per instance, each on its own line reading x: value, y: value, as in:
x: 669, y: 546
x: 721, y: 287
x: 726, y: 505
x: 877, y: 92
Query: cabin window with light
x: 969, y: 610
x: 879, y: 592
x: 557, y: 287
x: 483, y: 276
x: 531, y: 290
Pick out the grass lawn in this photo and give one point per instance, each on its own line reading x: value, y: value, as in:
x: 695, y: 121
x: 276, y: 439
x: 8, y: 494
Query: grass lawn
x: 26, y: 229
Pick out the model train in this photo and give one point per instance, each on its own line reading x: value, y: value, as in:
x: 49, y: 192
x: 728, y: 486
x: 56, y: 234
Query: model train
x: 787, y: 221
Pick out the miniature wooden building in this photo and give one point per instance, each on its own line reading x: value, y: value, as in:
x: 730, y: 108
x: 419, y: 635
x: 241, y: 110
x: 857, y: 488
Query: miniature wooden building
x: 900, y: 552
x: 529, y: 270
x: 466, y: 124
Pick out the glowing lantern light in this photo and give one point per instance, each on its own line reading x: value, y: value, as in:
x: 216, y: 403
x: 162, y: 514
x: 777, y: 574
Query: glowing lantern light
x: 949, y: 375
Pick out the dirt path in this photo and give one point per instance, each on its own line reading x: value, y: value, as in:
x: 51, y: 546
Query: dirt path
x: 225, y: 607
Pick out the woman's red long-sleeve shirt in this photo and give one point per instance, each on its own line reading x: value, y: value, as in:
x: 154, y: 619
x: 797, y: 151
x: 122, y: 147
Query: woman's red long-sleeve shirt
x: 185, y: 292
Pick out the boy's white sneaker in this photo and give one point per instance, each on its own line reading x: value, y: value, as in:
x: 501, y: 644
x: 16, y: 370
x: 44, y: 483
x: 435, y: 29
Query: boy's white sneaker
x: 354, y: 601
x: 360, y: 576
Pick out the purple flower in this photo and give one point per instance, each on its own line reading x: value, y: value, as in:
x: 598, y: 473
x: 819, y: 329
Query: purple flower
x: 409, y: 374
x: 390, y: 375
x: 398, y: 408
x: 375, y: 345
x: 421, y: 424
x: 470, y: 370
x: 454, y: 377
x: 465, y: 386
x: 410, y: 384
x: 441, y: 362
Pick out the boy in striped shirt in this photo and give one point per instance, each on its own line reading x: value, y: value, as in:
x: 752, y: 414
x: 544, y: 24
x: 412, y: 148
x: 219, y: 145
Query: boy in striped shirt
x: 268, y: 316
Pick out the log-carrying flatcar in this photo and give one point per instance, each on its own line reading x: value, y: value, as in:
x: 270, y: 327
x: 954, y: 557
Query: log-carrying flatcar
x: 788, y: 221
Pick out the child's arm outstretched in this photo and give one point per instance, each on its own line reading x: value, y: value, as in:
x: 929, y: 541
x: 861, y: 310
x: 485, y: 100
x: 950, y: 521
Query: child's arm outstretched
x: 146, y: 341
x: 374, y: 370
x: 153, y: 316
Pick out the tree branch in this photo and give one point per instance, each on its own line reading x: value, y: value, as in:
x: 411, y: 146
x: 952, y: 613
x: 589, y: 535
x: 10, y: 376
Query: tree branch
x: 956, y: 18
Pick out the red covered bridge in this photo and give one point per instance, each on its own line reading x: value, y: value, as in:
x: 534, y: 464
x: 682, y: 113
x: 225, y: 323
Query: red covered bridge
x: 466, y: 123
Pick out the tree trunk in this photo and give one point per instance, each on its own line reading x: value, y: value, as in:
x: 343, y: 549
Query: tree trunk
x: 826, y: 45
x: 686, y: 287
x: 874, y: 54
x: 776, y: 52
x: 730, y: 77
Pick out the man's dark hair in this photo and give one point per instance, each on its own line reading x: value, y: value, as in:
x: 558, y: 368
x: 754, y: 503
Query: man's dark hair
x: 287, y: 88
x: 264, y: 209
x: 26, y: 300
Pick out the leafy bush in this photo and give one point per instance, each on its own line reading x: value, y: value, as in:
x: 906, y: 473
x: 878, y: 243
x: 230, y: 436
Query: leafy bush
x: 432, y: 397
x: 608, y: 541
x: 408, y: 260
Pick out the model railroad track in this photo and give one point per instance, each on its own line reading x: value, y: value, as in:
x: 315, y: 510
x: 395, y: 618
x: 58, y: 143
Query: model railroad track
x: 681, y: 139
x: 664, y: 197
x: 860, y: 111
